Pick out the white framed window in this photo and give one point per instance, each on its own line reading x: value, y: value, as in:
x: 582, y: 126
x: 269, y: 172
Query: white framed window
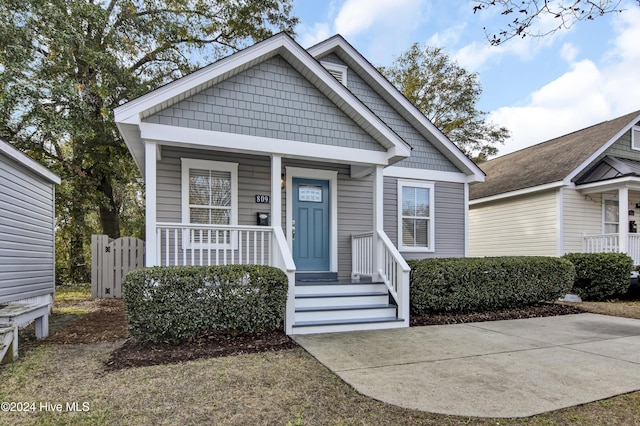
x: 610, y: 215
x: 209, y: 197
x: 416, y: 215
x: 635, y: 138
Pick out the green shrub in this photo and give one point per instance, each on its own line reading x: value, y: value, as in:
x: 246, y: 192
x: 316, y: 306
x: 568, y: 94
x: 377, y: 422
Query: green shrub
x: 182, y: 303
x: 486, y: 284
x: 600, y: 275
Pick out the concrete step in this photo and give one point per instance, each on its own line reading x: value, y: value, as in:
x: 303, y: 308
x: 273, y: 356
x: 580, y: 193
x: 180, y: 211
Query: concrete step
x: 344, y: 313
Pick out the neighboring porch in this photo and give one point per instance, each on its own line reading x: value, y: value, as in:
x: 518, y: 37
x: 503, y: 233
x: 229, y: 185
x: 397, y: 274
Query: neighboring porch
x: 619, y: 201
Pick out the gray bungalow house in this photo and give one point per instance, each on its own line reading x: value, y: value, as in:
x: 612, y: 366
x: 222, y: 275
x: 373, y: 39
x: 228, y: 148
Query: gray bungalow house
x: 576, y: 193
x: 308, y: 160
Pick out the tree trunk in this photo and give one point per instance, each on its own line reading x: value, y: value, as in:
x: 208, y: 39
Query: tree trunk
x: 109, y: 217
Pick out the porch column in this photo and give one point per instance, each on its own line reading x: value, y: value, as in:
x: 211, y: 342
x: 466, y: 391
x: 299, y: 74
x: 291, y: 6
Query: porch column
x: 378, y: 216
x: 276, y: 190
x: 623, y: 219
x: 150, y: 203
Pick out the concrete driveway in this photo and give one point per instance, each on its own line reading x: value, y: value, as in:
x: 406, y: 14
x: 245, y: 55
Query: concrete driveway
x: 514, y: 368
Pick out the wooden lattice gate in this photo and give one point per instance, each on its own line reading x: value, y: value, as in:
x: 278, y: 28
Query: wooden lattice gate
x: 111, y: 260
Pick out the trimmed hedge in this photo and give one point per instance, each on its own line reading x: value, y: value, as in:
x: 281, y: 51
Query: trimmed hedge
x: 486, y: 284
x: 600, y: 275
x: 175, y: 304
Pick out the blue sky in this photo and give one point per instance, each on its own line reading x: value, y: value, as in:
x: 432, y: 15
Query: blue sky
x: 538, y: 88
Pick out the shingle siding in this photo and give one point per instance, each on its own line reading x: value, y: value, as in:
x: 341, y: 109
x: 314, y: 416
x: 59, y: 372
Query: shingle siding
x: 26, y: 233
x: 270, y: 100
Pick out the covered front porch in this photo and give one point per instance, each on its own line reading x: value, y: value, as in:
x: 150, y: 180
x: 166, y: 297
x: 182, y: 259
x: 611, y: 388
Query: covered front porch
x: 619, y: 199
x: 364, y: 282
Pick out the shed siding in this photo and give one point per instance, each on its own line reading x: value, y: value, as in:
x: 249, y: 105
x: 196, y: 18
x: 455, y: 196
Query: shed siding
x: 519, y: 226
x: 271, y: 100
x: 26, y: 233
x: 581, y: 216
x: 448, y: 216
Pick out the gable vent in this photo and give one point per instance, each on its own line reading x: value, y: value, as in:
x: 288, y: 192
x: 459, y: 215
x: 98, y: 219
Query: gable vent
x: 635, y: 137
x: 337, y: 70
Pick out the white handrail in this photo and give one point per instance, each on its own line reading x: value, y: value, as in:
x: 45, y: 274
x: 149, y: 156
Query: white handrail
x: 284, y: 260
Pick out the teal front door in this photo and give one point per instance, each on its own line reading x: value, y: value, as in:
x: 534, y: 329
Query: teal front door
x: 311, y: 224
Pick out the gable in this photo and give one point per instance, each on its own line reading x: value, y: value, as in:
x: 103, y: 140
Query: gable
x: 271, y: 100
x: 423, y: 154
x: 620, y: 149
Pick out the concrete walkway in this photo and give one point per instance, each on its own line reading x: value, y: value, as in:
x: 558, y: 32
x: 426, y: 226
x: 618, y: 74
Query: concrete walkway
x: 514, y: 368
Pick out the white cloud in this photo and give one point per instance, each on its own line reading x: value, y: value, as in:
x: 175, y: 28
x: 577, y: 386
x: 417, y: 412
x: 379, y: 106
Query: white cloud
x: 587, y: 94
x: 569, y: 52
x: 358, y: 16
x: 308, y: 36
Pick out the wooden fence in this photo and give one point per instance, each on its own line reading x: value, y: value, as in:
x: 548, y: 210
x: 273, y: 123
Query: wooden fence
x: 111, y: 260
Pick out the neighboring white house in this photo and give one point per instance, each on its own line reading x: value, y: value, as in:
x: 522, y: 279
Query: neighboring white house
x: 27, y: 221
x: 309, y: 160
x: 576, y: 193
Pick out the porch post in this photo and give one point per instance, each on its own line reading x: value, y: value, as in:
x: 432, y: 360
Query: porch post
x: 623, y: 220
x: 150, y: 203
x: 276, y: 190
x: 378, y: 216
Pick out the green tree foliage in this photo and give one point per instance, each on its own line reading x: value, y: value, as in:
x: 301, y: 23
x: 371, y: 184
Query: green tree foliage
x: 65, y: 64
x: 447, y: 95
x: 521, y: 16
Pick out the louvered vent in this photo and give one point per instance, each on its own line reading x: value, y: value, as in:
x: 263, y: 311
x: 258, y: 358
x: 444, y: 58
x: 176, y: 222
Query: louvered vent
x: 337, y: 70
x: 339, y: 75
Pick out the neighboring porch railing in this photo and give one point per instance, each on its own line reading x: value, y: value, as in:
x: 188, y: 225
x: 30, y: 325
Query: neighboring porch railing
x: 610, y: 243
x: 391, y: 266
x: 211, y: 245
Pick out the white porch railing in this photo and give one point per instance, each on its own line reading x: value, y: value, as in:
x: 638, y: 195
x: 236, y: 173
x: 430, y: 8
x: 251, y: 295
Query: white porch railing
x: 211, y: 245
x: 610, y: 243
x: 186, y: 244
x: 391, y: 266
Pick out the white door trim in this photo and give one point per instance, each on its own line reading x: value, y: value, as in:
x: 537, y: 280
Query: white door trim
x: 332, y: 177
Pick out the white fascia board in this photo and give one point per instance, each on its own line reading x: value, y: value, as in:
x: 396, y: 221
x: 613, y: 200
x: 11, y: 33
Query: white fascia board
x: 207, y: 139
x: 602, y: 149
x: 339, y: 42
x: 23, y: 159
x: 132, y: 112
x: 631, y: 182
x: 408, y: 173
x: 518, y: 192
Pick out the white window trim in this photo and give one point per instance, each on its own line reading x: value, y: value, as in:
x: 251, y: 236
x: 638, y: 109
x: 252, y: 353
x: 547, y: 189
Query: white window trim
x: 635, y: 132
x: 336, y: 68
x: 431, y: 243
x: 191, y: 163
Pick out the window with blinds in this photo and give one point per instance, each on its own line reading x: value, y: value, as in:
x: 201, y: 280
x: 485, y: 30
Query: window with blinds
x: 415, y: 216
x: 210, y: 197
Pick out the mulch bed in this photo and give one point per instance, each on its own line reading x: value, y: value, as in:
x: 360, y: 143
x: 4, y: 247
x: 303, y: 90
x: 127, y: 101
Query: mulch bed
x: 542, y: 310
x: 106, y: 323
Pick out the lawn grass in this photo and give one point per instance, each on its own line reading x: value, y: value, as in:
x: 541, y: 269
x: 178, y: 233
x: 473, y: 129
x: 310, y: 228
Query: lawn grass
x: 281, y: 388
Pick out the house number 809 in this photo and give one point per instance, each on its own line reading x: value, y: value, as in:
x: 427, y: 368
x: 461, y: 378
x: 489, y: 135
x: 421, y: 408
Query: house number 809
x: 262, y: 199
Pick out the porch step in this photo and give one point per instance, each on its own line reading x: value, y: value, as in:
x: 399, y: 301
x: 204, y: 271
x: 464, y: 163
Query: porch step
x: 7, y: 354
x: 329, y: 306
x: 345, y: 313
x: 330, y: 326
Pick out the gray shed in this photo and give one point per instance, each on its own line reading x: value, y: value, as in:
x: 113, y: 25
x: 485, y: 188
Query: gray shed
x: 27, y: 222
